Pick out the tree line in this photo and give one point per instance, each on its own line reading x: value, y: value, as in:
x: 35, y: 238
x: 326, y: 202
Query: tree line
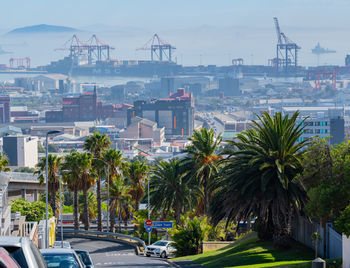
x: 266, y: 175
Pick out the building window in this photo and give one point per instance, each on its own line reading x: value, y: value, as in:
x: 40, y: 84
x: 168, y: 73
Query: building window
x: 308, y: 131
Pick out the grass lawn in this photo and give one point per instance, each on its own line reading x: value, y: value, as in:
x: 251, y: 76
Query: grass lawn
x: 251, y: 252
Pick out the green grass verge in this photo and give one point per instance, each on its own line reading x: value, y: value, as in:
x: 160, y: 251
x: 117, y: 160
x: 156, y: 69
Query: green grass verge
x: 251, y: 252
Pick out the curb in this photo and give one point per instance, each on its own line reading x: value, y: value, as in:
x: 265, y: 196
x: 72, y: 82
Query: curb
x: 172, y: 264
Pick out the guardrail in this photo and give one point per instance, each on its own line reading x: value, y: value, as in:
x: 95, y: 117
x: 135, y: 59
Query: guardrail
x: 108, y: 235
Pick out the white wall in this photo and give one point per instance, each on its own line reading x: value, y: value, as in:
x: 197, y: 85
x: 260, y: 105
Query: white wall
x: 346, y: 252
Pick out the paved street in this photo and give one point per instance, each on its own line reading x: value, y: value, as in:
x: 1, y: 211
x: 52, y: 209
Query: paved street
x: 111, y: 254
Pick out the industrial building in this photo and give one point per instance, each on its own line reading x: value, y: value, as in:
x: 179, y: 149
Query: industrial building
x: 229, y: 86
x: 4, y: 109
x: 175, y: 114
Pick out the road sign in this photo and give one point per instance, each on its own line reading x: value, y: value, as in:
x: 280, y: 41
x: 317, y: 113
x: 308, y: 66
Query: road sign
x: 148, y: 228
x: 148, y: 223
x: 162, y: 224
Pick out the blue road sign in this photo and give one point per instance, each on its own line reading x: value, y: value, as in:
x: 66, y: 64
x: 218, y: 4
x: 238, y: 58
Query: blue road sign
x: 162, y: 224
x: 148, y: 228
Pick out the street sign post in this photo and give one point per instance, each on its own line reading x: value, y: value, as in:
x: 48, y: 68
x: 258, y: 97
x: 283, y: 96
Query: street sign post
x: 148, y: 228
x: 148, y: 223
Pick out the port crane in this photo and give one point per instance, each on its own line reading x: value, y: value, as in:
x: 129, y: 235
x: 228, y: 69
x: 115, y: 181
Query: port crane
x: 159, y: 49
x: 286, y: 51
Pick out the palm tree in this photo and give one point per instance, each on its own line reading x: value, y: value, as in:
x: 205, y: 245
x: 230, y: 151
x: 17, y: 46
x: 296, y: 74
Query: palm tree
x: 260, y: 177
x: 4, y: 162
x: 136, y: 173
x: 96, y: 144
x: 92, y: 205
x: 203, y: 160
x: 118, y: 194
x: 170, y: 189
x: 71, y: 176
x: 54, y: 166
x: 113, y: 160
x: 87, y: 179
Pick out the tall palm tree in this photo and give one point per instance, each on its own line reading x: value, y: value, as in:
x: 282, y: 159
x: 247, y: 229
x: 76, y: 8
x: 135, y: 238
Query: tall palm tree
x: 260, y: 177
x: 113, y: 160
x: 87, y: 180
x: 118, y: 194
x: 71, y: 176
x: 96, y: 144
x: 54, y: 166
x: 136, y: 173
x: 170, y: 190
x: 203, y: 160
x: 4, y: 163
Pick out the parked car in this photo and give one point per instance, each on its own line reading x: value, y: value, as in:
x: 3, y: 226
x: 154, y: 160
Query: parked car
x: 85, y: 258
x: 58, y: 244
x: 24, y: 251
x: 161, y: 249
x: 6, y: 260
x: 61, y: 258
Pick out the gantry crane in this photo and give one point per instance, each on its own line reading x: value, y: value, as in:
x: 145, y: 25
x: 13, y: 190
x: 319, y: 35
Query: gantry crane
x: 286, y: 51
x: 159, y: 48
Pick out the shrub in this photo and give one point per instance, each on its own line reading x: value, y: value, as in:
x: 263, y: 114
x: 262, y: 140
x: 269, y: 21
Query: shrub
x: 188, y: 239
x: 34, y: 211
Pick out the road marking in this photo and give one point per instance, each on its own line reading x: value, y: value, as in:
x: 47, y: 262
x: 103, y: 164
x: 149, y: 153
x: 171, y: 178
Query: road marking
x: 119, y: 254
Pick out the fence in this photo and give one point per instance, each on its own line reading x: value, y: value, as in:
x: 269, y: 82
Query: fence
x: 330, y: 245
x: 138, y: 243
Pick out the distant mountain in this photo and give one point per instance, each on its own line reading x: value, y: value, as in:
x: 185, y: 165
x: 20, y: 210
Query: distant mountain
x: 41, y: 28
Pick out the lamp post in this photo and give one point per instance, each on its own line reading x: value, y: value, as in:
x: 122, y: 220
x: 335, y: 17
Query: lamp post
x: 107, y: 180
x: 47, y: 185
x: 61, y: 211
x: 148, y: 208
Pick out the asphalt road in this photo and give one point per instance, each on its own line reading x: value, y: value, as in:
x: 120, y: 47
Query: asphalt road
x: 111, y: 254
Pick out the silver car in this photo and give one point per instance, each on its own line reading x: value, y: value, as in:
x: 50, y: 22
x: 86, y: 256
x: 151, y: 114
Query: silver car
x: 61, y: 258
x: 24, y: 251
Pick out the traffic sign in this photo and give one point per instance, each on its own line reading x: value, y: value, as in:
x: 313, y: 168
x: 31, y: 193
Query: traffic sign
x: 148, y: 223
x: 148, y: 228
x: 162, y: 224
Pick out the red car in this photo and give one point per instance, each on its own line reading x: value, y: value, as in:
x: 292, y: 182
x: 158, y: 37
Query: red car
x: 6, y: 260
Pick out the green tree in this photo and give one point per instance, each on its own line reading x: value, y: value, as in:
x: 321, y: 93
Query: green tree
x: 71, y: 176
x: 203, y: 161
x: 92, y: 207
x: 54, y: 166
x: 96, y: 144
x: 4, y: 163
x: 34, y: 211
x: 87, y: 179
x: 24, y: 170
x: 114, y: 163
x: 259, y: 177
x: 118, y: 194
x: 136, y: 173
x: 327, y: 179
x: 171, y: 192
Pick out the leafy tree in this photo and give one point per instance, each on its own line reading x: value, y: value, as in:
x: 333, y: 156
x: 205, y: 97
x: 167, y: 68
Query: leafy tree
x: 34, y: 211
x: 170, y: 191
x: 259, y: 177
x: 4, y: 163
x: 96, y: 144
x: 92, y: 207
x: 54, y: 165
x: 136, y: 173
x: 342, y: 224
x: 327, y: 178
x: 203, y: 161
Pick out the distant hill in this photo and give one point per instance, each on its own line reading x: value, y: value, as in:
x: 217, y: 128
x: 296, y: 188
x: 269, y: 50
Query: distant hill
x: 41, y: 28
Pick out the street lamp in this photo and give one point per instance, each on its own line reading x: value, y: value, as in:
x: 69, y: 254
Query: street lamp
x: 50, y: 132
x: 148, y: 208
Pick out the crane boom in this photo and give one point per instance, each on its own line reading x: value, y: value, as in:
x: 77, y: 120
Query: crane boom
x: 278, y: 31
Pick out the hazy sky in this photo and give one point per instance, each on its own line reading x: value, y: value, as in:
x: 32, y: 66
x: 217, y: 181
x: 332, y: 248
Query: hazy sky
x: 204, y: 31
x: 175, y: 13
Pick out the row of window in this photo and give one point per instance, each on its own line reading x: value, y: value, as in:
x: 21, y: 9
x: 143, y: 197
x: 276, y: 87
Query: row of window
x: 316, y: 123
x: 316, y: 131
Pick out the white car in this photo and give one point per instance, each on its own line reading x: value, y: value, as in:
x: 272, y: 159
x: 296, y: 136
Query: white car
x: 161, y: 249
x: 58, y: 244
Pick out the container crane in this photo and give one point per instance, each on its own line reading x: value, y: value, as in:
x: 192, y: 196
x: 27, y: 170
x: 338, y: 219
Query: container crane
x: 159, y: 48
